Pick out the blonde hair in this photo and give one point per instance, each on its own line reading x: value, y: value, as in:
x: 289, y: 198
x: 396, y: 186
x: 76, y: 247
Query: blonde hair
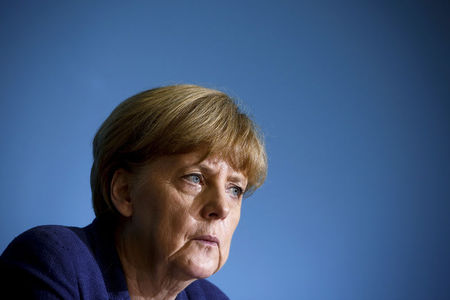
x: 172, y: 120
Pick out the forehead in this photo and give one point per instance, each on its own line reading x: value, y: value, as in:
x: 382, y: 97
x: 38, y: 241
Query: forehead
x: 215, y: 164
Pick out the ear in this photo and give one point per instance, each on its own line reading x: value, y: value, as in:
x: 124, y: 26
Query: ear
x: 120, y: 192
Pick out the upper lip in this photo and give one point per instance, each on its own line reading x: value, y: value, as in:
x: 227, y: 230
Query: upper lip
x: 207, y: 237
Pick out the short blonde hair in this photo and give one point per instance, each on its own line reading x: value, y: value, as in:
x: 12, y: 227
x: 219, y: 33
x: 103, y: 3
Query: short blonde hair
x: 172, y: 120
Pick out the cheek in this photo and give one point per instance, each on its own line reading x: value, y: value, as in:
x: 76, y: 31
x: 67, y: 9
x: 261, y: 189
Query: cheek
x: 229, y: 229
x: 161, y: 219
x: 234, y: 221
x: 176, y: 225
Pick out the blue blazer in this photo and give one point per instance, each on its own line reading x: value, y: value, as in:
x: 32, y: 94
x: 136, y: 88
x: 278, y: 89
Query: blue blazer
x: 58, y: 262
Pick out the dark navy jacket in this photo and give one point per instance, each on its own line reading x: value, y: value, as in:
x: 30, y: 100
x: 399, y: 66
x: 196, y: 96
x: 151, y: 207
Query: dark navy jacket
x: 57, y: 262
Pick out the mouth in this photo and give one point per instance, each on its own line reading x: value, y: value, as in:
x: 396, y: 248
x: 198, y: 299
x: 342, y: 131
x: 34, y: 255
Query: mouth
x: 207, y: 240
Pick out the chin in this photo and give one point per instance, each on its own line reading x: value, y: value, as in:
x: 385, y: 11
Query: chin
x: 200, y: 272
x: 196, y: 261
x: 195, y: 269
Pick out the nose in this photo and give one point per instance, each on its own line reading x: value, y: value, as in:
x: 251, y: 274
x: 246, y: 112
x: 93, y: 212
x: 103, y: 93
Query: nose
x: 215, y: 205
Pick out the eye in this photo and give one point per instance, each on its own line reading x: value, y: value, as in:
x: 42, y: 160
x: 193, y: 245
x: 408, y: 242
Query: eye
x: 194, y: 178
x: 236, y: 191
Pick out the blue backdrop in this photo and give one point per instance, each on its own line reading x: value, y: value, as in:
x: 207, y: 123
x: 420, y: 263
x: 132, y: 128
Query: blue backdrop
x: 353, y: 97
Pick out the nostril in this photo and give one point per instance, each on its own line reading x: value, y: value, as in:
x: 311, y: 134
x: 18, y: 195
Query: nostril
x: 213, y: 215
x: 214, y: 206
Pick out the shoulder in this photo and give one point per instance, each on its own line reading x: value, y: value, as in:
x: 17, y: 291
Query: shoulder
x: 44, y: 261
x: 204, y: 290
x: 48, y: 235
x: 41, y: 241
x: 50, y: 242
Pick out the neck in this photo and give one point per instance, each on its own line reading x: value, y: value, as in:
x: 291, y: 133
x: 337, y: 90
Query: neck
x: 148, y: 275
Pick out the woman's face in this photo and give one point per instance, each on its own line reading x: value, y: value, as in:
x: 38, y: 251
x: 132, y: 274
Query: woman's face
x: 185, y: 209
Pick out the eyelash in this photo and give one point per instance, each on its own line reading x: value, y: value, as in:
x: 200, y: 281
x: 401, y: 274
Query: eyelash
x: 201, y: 181
x: 239, y: 191
x: 199, y: 176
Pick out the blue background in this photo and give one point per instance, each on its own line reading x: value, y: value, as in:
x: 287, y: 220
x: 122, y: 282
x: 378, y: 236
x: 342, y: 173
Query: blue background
x: 353, y: 97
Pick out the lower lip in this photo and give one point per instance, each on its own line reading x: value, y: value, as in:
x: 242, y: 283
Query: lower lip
x: 206, y: 242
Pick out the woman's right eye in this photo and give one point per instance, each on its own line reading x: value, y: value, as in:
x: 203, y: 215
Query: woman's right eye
x: 195, y: 178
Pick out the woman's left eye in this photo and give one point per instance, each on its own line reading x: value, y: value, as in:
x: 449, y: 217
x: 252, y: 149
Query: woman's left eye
x: 236, y: 191
x: 195, y: 178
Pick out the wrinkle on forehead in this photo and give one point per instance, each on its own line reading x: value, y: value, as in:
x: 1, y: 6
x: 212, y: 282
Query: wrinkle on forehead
x: 215, y: 165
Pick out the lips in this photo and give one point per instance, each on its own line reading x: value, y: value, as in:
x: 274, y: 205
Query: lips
x: 207, y: 239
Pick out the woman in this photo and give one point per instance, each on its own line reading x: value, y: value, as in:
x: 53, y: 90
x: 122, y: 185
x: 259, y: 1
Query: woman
x: 171, y: 166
